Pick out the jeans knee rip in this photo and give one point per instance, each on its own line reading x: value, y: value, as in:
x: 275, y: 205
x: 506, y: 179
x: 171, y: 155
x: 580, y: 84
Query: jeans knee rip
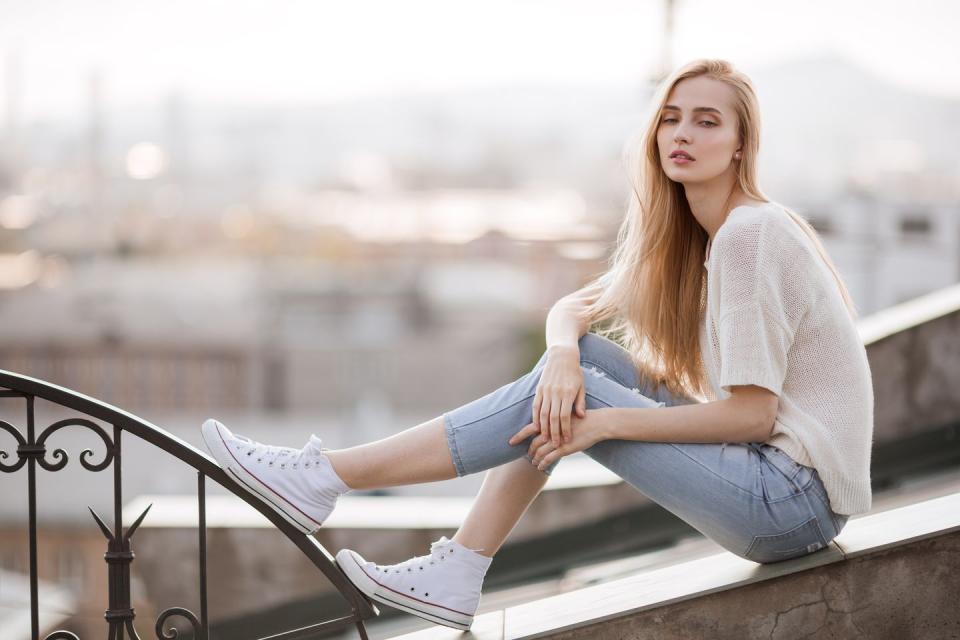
x: 636, y: 391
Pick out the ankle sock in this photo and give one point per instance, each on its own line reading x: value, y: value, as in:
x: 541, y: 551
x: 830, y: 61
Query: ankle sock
x: 473, y: 556
x: 327, y: 466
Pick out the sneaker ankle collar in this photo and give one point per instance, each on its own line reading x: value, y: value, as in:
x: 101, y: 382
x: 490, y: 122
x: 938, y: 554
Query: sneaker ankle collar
x: 468, y: 555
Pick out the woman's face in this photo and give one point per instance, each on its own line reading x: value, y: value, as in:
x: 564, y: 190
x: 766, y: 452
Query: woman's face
x: 709, y: 136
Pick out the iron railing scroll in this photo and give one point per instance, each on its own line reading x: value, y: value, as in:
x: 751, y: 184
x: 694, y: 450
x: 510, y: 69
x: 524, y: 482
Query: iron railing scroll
x: 31, y: 452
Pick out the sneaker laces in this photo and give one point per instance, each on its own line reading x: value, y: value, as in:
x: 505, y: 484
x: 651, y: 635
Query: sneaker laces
x: 291, y: 455
x: 436, y: 554
x: 436, y: 551
x: 437, y: 547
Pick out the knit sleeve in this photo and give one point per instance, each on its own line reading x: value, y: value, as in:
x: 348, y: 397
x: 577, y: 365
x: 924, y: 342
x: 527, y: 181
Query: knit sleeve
x: 761, y: 303
x: 753, y: 348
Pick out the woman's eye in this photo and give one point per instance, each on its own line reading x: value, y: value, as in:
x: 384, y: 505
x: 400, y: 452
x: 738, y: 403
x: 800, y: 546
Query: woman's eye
x: 712, y: 124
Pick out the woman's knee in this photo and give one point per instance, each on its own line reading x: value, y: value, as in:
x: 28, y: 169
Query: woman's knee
x: 597, y: 349
x: 592, y: 348
x: 590, y: 344
x: 605, y: 355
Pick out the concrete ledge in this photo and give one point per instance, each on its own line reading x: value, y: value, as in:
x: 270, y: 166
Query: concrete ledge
x: 578, y: 479
x: 894, y: 574
x: 386, y: 529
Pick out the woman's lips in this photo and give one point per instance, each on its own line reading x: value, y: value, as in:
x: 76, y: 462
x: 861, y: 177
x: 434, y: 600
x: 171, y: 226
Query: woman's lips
x: 682, y: 160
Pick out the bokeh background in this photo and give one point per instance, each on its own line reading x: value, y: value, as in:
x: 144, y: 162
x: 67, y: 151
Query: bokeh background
x: 344, y: 218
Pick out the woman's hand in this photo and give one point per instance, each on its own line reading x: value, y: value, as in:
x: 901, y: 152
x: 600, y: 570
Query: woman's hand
x: 587, y: 431
x: 559, y: 392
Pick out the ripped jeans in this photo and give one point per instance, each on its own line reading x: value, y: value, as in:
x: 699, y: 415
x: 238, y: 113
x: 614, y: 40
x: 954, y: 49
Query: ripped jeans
x: 750, y: 498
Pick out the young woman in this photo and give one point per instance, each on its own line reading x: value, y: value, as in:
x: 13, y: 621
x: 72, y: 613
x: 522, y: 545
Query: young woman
x: 741, y: 400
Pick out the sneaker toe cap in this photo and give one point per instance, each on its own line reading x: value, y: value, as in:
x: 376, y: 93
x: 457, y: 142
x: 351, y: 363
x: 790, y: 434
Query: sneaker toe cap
x: 349, y: 555
x: 213, y: 427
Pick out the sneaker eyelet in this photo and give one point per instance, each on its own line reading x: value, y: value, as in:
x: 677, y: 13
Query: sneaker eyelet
x: 427, y: 594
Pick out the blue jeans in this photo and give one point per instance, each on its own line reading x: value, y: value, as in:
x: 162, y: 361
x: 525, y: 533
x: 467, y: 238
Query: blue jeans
x: 750, y: 498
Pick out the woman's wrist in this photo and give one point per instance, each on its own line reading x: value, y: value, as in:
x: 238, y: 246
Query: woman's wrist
x: 563, y: 349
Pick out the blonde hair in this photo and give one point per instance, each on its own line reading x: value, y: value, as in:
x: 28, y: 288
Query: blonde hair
x: 653, y: 294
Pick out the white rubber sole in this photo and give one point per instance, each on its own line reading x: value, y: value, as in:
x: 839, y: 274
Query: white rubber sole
x: 213, y: 437
x: 349, y: 562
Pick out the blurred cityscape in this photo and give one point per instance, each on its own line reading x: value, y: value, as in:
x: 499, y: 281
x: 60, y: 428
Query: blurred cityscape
x: 285, y: 259
x: 354, y: 268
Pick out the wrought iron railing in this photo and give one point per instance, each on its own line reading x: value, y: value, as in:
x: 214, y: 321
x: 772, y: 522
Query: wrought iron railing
x: 31, y: 452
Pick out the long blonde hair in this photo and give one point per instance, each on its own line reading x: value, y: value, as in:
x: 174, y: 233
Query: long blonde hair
x: 653, y: 294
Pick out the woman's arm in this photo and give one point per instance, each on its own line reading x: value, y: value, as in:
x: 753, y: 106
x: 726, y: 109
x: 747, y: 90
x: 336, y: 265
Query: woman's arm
x: 710, y: 422
x: 727, y: 420
x: 746, y: 416
x: 565, y: 326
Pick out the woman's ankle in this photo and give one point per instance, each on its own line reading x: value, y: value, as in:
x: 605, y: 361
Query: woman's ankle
x: 341, y: 467
x: 488, y: 551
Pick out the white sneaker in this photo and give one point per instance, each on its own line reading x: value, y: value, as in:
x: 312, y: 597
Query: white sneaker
x: 300, y: 484
x: 443, y: 587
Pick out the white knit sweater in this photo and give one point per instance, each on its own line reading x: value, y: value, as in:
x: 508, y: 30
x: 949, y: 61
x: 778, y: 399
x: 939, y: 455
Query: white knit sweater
x: 775, y: 318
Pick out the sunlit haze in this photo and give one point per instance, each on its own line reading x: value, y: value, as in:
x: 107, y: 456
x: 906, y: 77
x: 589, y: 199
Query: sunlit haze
x: 279, y: 52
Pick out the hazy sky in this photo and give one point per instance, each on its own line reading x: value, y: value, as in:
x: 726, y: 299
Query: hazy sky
x: 282, y: 51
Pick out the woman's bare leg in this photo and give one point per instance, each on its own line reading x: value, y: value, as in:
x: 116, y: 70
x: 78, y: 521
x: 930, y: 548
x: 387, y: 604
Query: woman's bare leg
x: 418, y: 454
x: 506, y: 493
x: 421, y: 454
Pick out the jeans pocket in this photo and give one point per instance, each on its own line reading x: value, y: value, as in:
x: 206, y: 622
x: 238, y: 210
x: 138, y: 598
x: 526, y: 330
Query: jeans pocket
x: 787, y: 465
x: 803, y: 539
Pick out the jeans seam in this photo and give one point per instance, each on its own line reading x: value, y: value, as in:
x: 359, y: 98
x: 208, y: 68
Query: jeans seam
x: 806, y: 494
x: 501, y: 410
x: 823, y: 497
x: 454, y: 448
x: 836, y: 522
x: 694, y: 460
x: 823, y: 538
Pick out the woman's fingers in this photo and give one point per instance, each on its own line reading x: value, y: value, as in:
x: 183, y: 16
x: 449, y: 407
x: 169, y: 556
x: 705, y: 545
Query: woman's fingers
x: 564, y: 433
x: 545, y: 416
x: 524, y: 433
x: 554, y: 420
x: 538, y: 440
x: 552, y: 414
x: 582, y: 402
x: 537, y: 401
